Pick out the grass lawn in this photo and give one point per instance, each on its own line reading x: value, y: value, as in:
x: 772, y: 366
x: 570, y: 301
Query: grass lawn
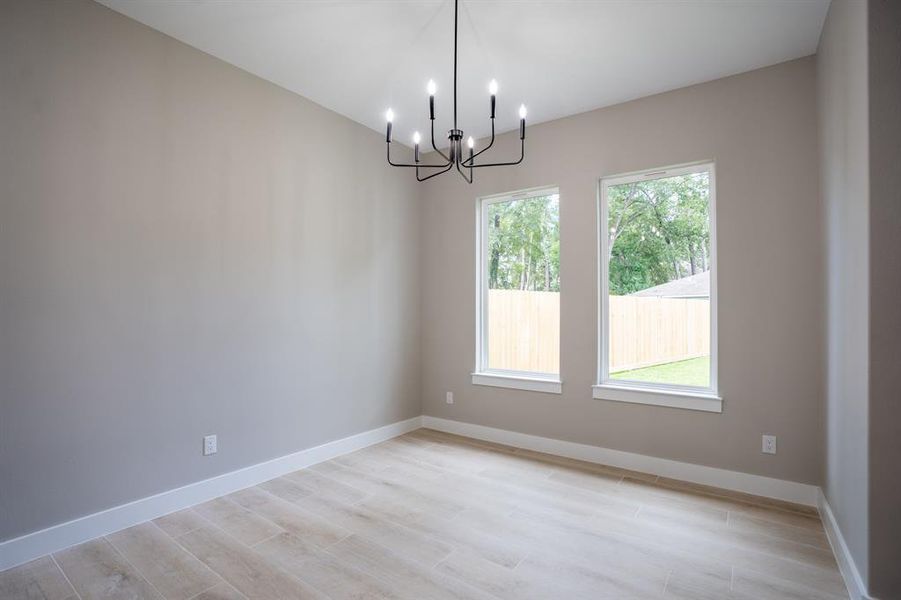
x: 695, y: 371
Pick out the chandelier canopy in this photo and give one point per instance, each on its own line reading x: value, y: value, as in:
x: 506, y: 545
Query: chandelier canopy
x: 454, y: 157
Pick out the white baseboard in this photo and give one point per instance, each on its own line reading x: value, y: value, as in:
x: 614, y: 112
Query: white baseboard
x: 39, y: 543
x: 853, y: 581
x: 34, y: 545
x: 790, y: 491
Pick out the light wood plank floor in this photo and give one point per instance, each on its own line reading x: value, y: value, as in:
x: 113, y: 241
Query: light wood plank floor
x: 434, y: 516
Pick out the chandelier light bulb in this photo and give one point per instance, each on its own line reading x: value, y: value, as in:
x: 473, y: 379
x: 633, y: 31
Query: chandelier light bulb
x: 522, y: 111
x: 416, y: 137
x: 431, y: 87
x: 471, y: 142
x: 492, y: 87
x: 389, y: 116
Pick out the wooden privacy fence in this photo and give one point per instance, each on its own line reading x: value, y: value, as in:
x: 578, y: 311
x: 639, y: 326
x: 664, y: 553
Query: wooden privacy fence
x: 651, y: 331
x: 524, y: 330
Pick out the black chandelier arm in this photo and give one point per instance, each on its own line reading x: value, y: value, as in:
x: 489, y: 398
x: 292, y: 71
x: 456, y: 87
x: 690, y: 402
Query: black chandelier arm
x: 448, y: 164
x: 469, y: 161
x: 435, y: 174
x: 443, y: 155
x: 522, y: 155
x: 468, y: 179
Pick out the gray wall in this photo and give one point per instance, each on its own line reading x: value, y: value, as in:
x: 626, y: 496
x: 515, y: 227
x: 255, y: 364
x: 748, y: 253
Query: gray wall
x: 843, y: 114
x: 760, y: 128
x: 884, y: 43
x: 184, y: 249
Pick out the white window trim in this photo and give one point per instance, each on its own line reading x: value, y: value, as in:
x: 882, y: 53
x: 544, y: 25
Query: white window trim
x: 688, y: 397
x: 515, y: 380
x: 658, y: 397
x: 482, y: 375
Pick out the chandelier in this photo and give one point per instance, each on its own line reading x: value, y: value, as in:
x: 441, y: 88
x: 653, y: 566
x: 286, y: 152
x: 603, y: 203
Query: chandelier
x: 454, y: 156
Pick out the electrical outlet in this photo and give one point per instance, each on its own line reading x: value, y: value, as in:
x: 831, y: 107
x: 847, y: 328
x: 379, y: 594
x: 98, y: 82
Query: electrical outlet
x: 769, y: 444
x: 450, y: 398
x: 210, y: 445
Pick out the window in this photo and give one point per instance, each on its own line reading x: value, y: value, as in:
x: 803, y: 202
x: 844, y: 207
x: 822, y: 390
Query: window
x: 657, y: 340
x: 518, y: 321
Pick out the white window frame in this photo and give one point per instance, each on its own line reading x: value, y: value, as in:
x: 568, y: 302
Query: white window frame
x: 482, y: 375
x: 659, y: 394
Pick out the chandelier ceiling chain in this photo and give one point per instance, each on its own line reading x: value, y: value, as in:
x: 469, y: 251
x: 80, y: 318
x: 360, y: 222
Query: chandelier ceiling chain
x: 454, y: 158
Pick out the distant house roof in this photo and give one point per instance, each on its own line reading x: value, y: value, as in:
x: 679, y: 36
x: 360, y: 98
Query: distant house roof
x: 693, y: 286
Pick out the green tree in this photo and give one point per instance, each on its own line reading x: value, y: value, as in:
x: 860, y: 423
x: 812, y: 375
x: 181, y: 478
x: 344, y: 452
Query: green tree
x: 658, y: 231
x: 524, y: 244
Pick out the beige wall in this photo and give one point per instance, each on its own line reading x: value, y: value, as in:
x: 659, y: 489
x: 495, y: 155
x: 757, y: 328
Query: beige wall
x: 884, y: 43
x: 843, y: 126
x: 185, y: 249
x: 760, y: 128
x: 859, y: 73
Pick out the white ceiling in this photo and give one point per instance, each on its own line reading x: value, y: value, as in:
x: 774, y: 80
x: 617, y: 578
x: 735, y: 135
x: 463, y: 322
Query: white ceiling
x: 359, y: 57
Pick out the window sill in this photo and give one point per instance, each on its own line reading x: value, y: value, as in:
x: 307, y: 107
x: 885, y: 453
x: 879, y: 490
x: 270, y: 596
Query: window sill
x: 659, y: 397
x: 519, y: 382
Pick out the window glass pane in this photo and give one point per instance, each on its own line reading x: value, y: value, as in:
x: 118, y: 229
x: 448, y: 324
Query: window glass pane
x: 522, y: 265
x: 659, y: 280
